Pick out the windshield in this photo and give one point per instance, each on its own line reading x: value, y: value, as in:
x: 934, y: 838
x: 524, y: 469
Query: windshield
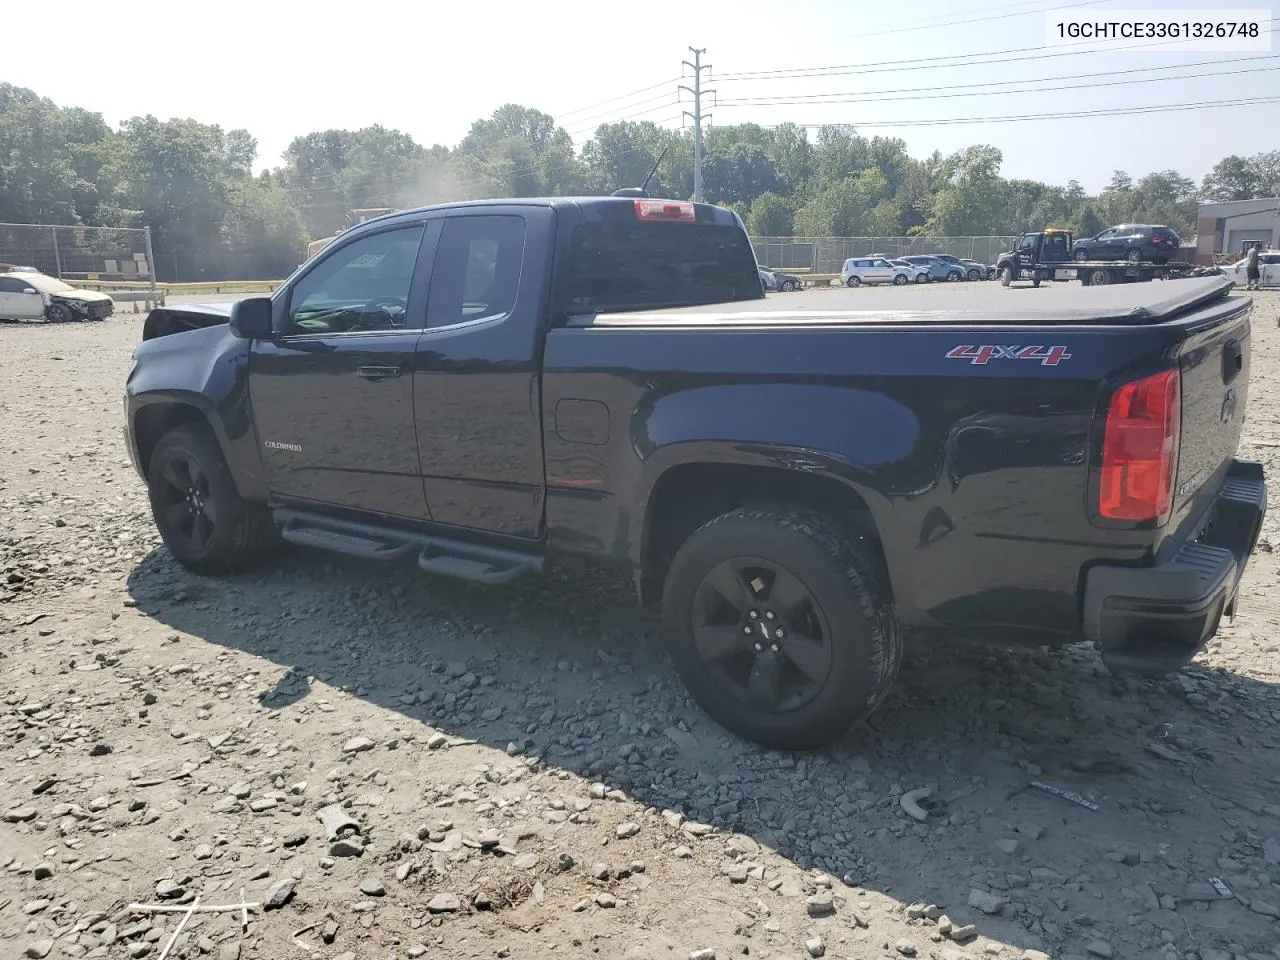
x: 46, y: 284
x: 615, y: 267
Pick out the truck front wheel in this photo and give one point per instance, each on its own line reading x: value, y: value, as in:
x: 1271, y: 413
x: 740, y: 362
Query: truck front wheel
x: 779, y: 626
x: 201, y: 517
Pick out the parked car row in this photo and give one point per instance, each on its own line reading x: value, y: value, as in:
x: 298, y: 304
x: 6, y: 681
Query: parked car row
x: 1134, y: 242
x: 916, y: 268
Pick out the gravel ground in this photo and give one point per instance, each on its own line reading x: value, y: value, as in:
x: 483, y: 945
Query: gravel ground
x: 525, y: 776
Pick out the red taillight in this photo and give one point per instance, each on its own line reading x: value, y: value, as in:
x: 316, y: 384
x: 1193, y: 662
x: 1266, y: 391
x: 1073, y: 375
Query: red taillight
x: 1157, y: 239
x: 1140, y: 449
x: 672, y: 210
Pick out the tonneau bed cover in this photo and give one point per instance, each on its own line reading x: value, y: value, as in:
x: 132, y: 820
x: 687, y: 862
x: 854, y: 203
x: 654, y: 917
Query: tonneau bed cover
x: 1129, y: 303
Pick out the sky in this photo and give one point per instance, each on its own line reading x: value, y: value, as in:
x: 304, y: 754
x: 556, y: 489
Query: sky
x: 281, y: 68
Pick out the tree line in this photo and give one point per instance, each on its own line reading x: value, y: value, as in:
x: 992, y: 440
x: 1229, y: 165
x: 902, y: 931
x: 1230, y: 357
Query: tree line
x: 194, y: 184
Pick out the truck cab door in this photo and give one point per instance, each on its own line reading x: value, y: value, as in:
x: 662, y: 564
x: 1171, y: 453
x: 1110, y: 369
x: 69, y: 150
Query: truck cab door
x: 477, y: 380
x: 332, y: 391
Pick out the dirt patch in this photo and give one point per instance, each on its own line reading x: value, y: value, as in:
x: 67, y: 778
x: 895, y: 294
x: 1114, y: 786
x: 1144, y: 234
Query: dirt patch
x: 527, y: 777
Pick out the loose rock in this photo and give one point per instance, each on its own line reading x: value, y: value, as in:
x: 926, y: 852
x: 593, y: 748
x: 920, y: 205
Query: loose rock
x: 444, y: 903
x: 279, y: 893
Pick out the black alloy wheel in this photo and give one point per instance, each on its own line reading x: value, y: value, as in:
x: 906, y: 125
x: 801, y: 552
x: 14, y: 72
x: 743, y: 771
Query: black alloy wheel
x: 187, y: 509
x: 777, y: 621
x: 762, y: 635
x: 201, y: 517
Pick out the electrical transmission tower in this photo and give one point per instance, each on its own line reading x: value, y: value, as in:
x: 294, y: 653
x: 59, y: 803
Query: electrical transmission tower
x: 697, y: 116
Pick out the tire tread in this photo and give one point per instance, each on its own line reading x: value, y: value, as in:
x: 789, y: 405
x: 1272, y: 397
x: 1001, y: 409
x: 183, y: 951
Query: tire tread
x: 252, y: 532
x: 862, y: 570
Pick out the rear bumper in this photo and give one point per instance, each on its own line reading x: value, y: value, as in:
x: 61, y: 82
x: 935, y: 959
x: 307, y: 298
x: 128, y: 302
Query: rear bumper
x: 1152, y: 620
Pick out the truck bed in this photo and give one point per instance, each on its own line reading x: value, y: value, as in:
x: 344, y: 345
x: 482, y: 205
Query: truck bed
x: 947, y: 304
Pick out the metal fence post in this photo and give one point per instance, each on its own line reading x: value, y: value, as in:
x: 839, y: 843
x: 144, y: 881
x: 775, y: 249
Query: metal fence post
x: 57, y: 256
x: 151, y: 270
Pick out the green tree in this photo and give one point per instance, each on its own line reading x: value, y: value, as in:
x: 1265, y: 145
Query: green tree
x: 856, y: 206
x: 1089, y: 224
x: 739, y: 175
x: 622, y: 154
x: 771, y: 216
x: 792, y: 156
x: 972, y: 199
x: 523, y: 153
x: 174, y: 174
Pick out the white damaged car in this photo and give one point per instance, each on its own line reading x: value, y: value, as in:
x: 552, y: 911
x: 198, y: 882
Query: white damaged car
x: 34, y: 296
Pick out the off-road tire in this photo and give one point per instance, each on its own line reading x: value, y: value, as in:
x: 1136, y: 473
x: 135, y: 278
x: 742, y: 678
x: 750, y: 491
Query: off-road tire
x: 243, y: 533
x: 844, y: 575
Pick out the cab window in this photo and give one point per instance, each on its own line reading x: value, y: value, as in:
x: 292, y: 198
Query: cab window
x: 361, y: 287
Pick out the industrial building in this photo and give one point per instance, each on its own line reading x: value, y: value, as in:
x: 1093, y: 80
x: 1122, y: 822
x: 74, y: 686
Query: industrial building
x: 1226, y: 228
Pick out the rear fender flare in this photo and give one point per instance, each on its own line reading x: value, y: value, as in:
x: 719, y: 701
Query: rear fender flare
x: 788, y: 427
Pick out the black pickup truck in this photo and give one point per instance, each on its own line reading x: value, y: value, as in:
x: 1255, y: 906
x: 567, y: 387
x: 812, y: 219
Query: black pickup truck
x: 491, y: 387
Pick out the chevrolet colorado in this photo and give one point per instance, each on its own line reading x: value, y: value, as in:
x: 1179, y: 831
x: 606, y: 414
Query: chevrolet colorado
x: 490, y: 387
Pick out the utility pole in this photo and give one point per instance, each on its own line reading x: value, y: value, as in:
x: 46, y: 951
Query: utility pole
x: 697, y: 116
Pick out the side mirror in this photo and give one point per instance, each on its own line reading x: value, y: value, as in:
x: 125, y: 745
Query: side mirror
x: 251, y: 318
x: 28, y: 289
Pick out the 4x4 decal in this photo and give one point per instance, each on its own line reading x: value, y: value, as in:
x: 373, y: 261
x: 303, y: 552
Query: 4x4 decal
x: 982, y: 355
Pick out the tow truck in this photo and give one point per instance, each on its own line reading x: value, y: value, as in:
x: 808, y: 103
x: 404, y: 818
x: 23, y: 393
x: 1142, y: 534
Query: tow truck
x: 1047, y: 255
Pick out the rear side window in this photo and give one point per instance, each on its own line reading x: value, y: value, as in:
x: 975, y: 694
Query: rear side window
x: 616, y: 266
x: 477, y: 269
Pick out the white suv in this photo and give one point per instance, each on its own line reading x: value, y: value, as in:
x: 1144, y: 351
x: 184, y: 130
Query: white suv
x: 860, y: 270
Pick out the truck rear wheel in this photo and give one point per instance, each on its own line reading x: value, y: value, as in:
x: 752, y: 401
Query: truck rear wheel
x: 779, y: 625
x: 202, y: 519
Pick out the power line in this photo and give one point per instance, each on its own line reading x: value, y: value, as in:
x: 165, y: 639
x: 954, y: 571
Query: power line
x: 929, y: 63
x: 872, y: 96
x: 1119, y: 111
x: 622, y: 96
x: 590, y: 123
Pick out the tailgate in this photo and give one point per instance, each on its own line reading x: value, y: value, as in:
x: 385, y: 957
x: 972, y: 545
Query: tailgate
x: 1215, y: 388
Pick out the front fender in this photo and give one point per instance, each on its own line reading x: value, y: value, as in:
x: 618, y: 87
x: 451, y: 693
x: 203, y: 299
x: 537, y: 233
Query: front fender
x: 206, y: 370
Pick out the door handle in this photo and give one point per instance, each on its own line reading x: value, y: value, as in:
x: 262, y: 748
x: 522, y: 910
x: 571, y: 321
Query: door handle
x: 377, y: 373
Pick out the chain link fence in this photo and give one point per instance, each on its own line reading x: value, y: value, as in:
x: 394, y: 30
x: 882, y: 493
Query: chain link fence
x: 828, y: 254
x: 115, y: 259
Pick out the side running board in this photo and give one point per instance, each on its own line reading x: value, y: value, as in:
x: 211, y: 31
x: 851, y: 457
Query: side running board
x: 442, y: 555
